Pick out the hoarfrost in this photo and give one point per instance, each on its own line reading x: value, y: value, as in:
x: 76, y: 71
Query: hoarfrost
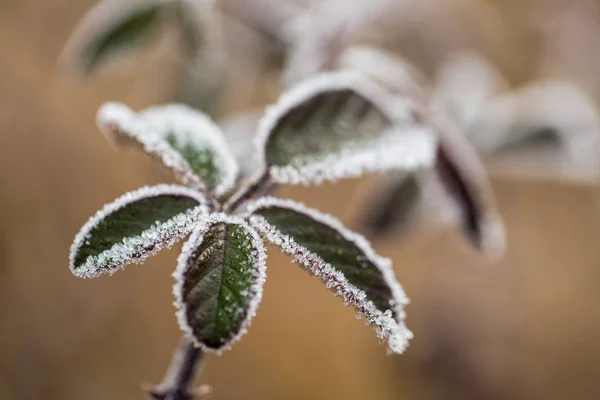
x: 395, y: 150
x: 136, y: 249
x: 155, y: 127
x: 254, y: 293
x: 408, y: 147
x: 386, y: 327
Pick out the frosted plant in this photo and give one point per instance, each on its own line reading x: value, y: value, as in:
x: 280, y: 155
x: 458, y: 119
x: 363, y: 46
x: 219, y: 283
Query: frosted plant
x: 205, y: 42
x: 454, y: 188
x: 221, y: 269
x: 547, y: 129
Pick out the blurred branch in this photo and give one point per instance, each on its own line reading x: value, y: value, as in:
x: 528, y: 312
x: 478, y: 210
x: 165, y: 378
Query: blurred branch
x: 270, y: 18
x: 184, y: 368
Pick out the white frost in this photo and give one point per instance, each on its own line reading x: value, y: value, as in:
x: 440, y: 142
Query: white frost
x: 389, y: 70
x: 254, y: 294
x: 393, y: 331
x: 190, y: 127
x: 408, y: 147
x: 133, y: 249
x: 395, y: 150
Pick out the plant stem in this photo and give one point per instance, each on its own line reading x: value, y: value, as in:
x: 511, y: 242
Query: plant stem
x: 184, y: 368
x: 259, y: 186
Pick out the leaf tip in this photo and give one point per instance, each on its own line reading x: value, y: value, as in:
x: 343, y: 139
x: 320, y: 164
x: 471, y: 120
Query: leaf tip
x: 111, y: 119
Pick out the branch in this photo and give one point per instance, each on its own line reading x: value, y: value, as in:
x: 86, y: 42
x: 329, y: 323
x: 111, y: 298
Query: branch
x: 256, y: 188
x: 269, y: 18
x: 184, y: 368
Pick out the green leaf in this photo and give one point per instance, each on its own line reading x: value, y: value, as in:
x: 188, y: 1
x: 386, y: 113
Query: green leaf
x: 343, y: 260
x: 134, y: 227
x: 220, y: 274
x: 340, y: 125
x: 111, y: 29
x: 185, y: 140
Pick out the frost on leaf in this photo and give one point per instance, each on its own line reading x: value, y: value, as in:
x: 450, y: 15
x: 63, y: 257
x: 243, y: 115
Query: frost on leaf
x: 185, y: 140
x: 219, y: 279
x: 111, y: 29
x: 134, y: 227
x: 342, y: 260
x: 340, y: 125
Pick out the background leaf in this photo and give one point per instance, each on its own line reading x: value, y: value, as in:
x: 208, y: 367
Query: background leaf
x: 392, y: 208
x: 220, y: 275
x: 111, y: 29
x: 462, y: 179
x: 339, y: 125
x: 343, y: 260
x: 184, y: 139
x: 133, y: 227
x: 454, y: 190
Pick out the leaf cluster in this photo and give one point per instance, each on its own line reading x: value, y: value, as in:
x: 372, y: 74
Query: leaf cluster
x: 334, y: 126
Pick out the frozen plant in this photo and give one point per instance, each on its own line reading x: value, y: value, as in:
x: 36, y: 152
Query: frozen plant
x: 206, y: 43
x: 331, y: 126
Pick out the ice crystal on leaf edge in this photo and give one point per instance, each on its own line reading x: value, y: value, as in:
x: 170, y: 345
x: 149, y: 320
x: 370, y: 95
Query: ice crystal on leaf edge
x: 386, y: 327
x: 255, y: 292
x: 160, y: 236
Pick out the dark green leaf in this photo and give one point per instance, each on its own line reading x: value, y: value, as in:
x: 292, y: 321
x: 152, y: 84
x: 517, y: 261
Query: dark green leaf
x: 133, y: 227
x: 220, y: 275
x: 343, y: 260
x: 340, y: 125
x: 185, y: 140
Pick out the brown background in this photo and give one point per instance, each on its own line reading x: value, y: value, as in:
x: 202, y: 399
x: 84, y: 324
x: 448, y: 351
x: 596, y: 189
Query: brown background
x: 523, y: 328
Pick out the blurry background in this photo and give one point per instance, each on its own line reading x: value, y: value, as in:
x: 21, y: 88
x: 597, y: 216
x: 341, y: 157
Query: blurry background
x: 525, y: 327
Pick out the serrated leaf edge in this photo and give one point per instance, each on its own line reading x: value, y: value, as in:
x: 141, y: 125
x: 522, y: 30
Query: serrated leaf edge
x: 405, y: 150
x: 386, y: 327
x: 116, y: 120
x: 256, y: 289
x: 210, y: 131
x: 181, y: 224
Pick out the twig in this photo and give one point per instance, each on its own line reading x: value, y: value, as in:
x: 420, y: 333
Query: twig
x: 184, y: 368
x: 258, y: 187
x: 267, y: 17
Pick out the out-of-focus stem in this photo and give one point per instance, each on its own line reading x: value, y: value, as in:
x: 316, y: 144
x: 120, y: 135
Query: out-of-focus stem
x: 178, y: 381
